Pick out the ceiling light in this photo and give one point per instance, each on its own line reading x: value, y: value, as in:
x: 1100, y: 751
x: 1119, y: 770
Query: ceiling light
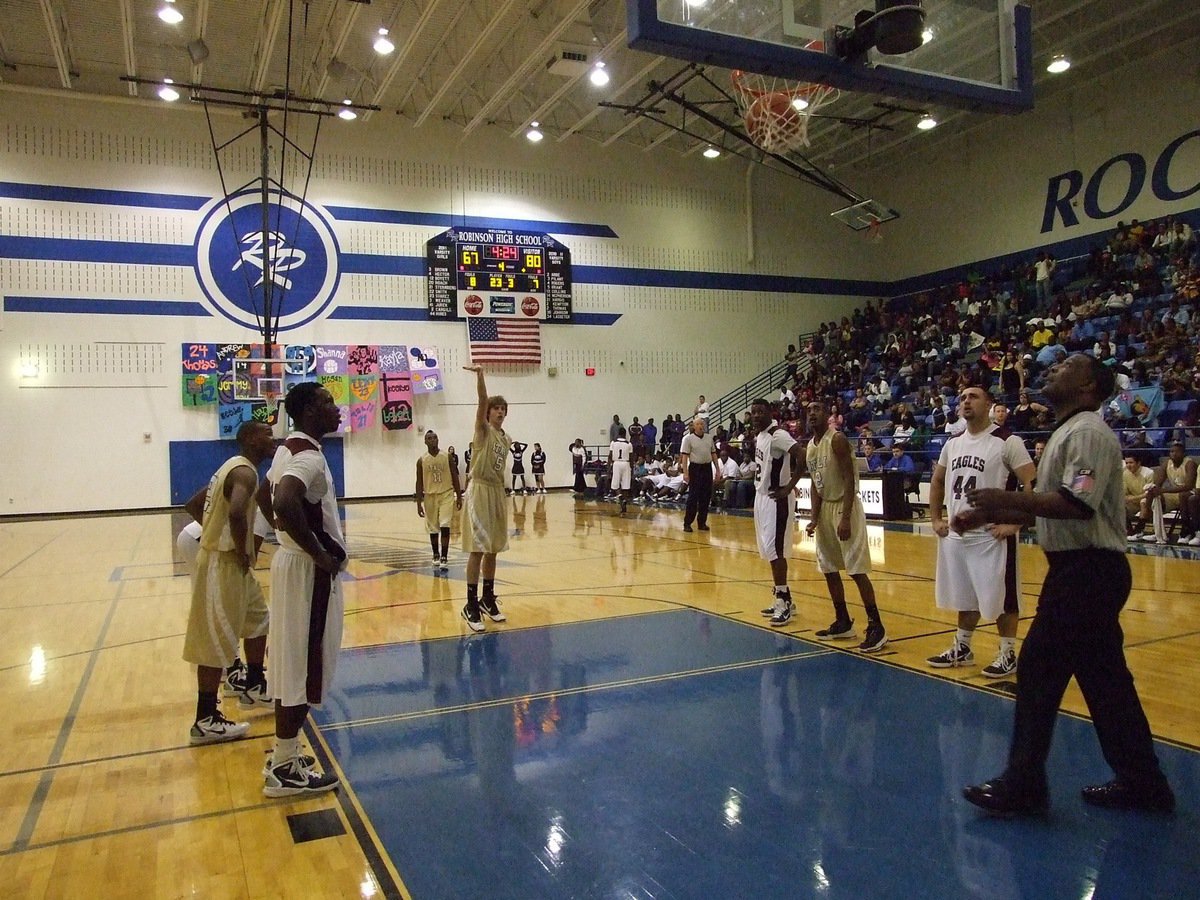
x: 346, y: 112
x: 799, y: 104
x: 29, y: 370
x: 168, y: 93
x: 926, y: 122
x: 169, y: 13
x: 382, y: 45
x: 696, y: 2
x: 533, y: 134
x: 599, y: 77
x: 926, y: 35
x: 1059, y: 64
x: 711, y: 152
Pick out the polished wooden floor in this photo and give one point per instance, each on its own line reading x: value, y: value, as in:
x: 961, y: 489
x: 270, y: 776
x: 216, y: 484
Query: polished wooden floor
x: 101, y: 793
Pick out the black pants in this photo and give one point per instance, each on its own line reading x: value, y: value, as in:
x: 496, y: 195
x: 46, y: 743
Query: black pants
x: 1076, y: 632
x: 700, y: 482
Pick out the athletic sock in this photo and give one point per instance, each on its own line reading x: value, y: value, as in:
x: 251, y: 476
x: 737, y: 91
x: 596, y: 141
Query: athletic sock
x: 433, y: 542
x: 473, y: 595
x: 489, y: 587
x: 963, y: 636
x: 840, y: 612
x: 286, y: 749
x: 206, y: 704
x: 255, y: 674
x: 1008, y: 645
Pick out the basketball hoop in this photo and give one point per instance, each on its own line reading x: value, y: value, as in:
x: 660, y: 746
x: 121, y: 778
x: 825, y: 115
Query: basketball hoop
x: 874, y: 231
x: 776, y: 110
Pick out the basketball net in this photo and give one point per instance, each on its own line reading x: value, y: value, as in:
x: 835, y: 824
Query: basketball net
x: 874, y: 232
x: 776, y: 110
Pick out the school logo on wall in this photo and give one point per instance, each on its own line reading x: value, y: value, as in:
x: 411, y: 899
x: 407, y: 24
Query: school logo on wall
x: 233, y: 252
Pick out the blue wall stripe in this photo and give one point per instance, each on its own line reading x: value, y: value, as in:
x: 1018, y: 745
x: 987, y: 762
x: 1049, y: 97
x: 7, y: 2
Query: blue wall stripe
x: 382, y: 313
x: 375, y: 264
x: 725, y: 281
x: 441, y: 220
x: 18, y: 191
x: 88, y: 306
x: 68, y: 250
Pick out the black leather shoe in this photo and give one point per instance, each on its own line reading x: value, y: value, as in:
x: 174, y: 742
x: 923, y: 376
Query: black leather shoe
x: 702, y: 527
x: 687, y: 528
x: 1119, y: 794
x: 1000, y: 798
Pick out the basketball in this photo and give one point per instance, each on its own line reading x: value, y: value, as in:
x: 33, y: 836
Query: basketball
x: 774, y: 124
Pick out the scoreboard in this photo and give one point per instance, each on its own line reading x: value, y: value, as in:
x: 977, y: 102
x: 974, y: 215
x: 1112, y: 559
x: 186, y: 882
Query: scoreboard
x: 498, y: 274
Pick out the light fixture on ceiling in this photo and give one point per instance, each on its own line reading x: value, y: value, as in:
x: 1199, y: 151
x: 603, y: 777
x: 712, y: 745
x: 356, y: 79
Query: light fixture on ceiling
x: 533, y: 134
x: 696, y: 2
x: 927, y: 122
x: 29, y: 370
x: 168, y: 93
x: 799, y: 104
x: 1058, y: 64
x: 927, y: 35
x: 346, y: 112
x: 169, y: 13
x: 383, y: 46
x: 598, y: 75
x: 711, y: 152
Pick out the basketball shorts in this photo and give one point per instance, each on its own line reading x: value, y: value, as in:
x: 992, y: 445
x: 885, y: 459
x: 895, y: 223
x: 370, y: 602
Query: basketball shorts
x: 622, y: 475
x: 292, y: 574
x: 977, y: 572
x: 187, y: 544
x: 485, y: 519
x: 227, y: 606
x: 834, y: 555
x: 439, y: 511
x: 773, y: 527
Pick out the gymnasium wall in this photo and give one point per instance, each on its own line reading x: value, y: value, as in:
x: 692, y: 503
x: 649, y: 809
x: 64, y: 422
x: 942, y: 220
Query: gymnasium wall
x: 707, y: 276
x: 984, y: 192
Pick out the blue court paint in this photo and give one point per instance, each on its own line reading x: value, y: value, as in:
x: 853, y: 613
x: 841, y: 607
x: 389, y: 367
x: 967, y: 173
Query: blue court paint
x: 510, y: 772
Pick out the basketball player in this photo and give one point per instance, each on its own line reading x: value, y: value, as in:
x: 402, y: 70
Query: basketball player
x: 977, y: 569
x: 485, y: 512
x: 537, y: 460
x: 437, y: 477
x: 840, y: 525
x: 1080, y: 516
x: 227, y: 601
x: 306, y: 596
x: 777, y: 468
x: 620, y: 457
x: 187, y: 544
x: 518, y: 465
x: 1174, y: 482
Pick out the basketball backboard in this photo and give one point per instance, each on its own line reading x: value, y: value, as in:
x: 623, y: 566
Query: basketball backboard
x: 977, y: 55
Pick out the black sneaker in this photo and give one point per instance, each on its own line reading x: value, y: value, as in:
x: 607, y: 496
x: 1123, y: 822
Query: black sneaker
x: 490, y: 607
x: 782, y: 612
x: 235, y: 678
x: 1004, y: 665
x: 293, y: 777
x: 957, y: 655
x: 473, y: 618
x: 838, y: 631
x: 875, y: 638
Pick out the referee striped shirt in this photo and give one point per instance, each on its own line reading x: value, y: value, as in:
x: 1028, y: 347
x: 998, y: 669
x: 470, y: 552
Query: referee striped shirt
x: 1082, y: 461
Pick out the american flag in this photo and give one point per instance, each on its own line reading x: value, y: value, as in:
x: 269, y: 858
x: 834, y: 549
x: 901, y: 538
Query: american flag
x: 505, y: 340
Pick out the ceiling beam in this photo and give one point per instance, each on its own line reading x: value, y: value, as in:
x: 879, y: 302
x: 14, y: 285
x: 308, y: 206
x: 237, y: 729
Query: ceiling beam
x: 339, y: 43
x: 532, y: 61
x: 268, y: 33
x: 415, y: 35
x: 56, y: 28
x: 481, y: 40
x: 536, y: 116
x: 126, y: 7
x: 198, y: 35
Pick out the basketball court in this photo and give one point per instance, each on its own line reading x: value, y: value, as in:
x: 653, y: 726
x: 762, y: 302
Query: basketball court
x: 635, y: 729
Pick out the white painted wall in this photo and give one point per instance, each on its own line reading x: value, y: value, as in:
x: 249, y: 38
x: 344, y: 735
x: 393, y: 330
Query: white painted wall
x: 983, y: 193
x: 107, y: 380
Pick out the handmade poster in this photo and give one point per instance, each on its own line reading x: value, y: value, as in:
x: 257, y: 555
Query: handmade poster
x: 424, y: 371
x: 397, y: 401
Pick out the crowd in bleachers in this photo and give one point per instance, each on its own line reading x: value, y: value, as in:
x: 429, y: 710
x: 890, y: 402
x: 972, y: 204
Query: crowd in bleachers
x: 892, y: 371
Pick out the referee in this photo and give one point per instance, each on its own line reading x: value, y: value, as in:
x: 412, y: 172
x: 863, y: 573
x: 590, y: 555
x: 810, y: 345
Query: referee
x: 1080, y: 512
x: 697, y: 456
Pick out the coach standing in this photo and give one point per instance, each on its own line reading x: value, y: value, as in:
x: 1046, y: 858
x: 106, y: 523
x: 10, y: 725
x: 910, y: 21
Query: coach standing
x: 697, y: 456
x: 1080, y: 514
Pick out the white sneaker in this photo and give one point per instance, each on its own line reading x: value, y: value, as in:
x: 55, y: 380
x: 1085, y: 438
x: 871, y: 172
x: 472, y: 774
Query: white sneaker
x: 292, y: 778
x: 256, y: 696
x: 1194, y: 542
x: 216, y: 728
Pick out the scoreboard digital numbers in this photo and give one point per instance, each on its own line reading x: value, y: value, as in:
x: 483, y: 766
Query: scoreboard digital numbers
x: 498, y: 274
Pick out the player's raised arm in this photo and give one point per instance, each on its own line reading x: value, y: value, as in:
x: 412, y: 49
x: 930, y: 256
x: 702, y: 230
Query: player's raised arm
x: 481, y: 409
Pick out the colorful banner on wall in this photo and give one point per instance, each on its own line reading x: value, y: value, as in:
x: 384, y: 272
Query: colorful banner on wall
x: 1143, y: 404
x: 369, y: 383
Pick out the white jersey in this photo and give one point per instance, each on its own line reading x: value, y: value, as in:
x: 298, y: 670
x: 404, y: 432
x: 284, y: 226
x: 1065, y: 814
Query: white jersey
x: 620, y: 450
x: 772, y: 459
x: 983, y: 460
